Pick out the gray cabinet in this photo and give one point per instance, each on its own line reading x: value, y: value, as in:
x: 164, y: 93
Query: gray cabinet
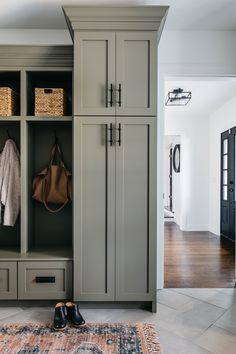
x: 136, y: 71
x: 114, y: 214
x: 115, y: 81
x: 135, y: 209
x: 94, y: 73
x: 115, y: 73
x: 94, y: 209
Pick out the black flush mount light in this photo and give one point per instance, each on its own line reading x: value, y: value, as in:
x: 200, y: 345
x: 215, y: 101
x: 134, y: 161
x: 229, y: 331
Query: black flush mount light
x: 178, y: 97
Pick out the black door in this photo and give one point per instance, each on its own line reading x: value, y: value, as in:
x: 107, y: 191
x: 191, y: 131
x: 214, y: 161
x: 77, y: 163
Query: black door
x: 228, y: 183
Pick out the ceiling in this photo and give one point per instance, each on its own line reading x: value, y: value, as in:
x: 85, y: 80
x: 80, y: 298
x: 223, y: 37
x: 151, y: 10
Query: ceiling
x: 207, y: 95
x: 183, y: 14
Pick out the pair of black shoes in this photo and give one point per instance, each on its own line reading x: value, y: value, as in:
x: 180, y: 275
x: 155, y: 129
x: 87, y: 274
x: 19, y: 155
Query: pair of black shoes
x: 65, y: 312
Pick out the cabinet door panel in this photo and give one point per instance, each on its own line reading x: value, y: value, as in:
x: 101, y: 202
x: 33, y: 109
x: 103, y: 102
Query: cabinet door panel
x: 94, y: 72
x: 136, y: 73
x: 135, y: 210
x: 94, y: 209
x: 8, y: 280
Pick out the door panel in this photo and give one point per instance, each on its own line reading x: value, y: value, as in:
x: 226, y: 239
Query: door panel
x: 94, y: 72
x: 94, y: 209
x: 228, y: 183
x: 136, y: 73
x: 135, y: 209
x: 8, y: 280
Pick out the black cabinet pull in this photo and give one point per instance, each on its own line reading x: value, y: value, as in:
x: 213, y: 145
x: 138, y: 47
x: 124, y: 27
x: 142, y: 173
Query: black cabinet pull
x: 111, y: 95
x: 45, y: 279
x: 119, y: 91
x: 119, y: 136
x: 110, y: 140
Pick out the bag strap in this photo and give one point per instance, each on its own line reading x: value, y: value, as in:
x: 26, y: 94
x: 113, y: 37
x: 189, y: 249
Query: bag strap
x: 45, y: 203
x: 54, y: 210
x: 56, y: 148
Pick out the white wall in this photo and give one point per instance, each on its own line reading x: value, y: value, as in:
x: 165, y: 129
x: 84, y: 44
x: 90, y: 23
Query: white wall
x: 194, y: 176
x: 221, y: 120
x: 187, y: 53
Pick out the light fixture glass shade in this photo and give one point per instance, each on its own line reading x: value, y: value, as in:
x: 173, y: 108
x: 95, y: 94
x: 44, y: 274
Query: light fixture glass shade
x: 178, y: 97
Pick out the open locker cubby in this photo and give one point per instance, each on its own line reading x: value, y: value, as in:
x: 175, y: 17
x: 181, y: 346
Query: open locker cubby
x: 10, y: 236
x: 49, y: 79
x: 48, y: 230
x: 12, y: 79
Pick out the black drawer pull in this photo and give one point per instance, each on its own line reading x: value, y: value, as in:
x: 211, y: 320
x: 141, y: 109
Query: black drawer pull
x: 45, y: 279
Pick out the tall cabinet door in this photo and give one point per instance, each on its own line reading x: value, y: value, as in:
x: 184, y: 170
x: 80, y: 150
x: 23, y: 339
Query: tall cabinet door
x: 94, y: 209
x: 136, y: 73
x: 94, y: 73
x: 135, y: 209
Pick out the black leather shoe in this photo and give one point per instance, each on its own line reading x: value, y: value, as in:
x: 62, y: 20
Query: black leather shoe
x: 60, y: 317
x: 74, y: 315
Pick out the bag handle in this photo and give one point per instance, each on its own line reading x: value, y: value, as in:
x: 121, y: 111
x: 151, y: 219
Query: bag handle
x: 54, y: 210
x: 45, y: 203
x: 56, y: 148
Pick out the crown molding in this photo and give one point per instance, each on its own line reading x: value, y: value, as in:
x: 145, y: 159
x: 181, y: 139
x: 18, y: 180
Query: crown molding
x: 28, y: 55
x: 115, y: 18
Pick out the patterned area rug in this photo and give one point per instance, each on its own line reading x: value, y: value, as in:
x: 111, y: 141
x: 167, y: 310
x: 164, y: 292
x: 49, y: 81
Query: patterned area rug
x: 93, y: 338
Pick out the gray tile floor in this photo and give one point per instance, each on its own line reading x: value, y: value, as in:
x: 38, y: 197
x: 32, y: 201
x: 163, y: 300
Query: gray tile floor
x: 189, y: 321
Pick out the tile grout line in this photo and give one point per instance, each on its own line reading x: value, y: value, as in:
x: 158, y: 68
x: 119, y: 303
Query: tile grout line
x: 223, y: 329
x: 204, y: 301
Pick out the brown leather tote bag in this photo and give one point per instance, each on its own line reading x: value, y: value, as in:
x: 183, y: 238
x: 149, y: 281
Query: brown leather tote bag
x: 53, y: 184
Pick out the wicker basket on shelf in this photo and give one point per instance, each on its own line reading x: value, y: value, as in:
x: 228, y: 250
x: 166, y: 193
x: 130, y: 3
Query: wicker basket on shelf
x: 7, y: 102
x: 49, y: 102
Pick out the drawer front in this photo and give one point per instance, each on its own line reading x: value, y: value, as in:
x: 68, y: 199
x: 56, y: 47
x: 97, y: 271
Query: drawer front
x: 45, y: 280
x: 8, y: 280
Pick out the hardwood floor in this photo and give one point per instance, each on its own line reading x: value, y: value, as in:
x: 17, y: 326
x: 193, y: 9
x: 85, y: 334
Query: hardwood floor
x: 197, y: 260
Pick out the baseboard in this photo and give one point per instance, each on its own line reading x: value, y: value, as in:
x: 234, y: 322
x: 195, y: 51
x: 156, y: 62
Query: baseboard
x: 195, y: 227
x: 214, y: 231
x: 227, y: 238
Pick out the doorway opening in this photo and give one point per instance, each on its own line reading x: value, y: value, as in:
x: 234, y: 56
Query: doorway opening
x: 198, y: 252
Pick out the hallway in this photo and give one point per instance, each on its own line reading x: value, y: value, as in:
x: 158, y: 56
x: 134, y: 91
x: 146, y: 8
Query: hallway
x: 197, y: 260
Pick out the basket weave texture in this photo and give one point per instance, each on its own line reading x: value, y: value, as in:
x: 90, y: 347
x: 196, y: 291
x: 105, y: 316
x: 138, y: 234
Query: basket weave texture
x: 49, y: 102
x: 7, y: 102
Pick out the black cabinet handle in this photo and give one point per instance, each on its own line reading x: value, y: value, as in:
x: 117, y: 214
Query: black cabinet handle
x: 119, y: 141
x: 110, y: 135
x: 111, y: 95
x: 119, y: 91
x: 119, y: 136
x: 45, y: 279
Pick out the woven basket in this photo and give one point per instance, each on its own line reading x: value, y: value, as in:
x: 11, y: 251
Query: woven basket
x: 7, y: 102
x: 49, y: 102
